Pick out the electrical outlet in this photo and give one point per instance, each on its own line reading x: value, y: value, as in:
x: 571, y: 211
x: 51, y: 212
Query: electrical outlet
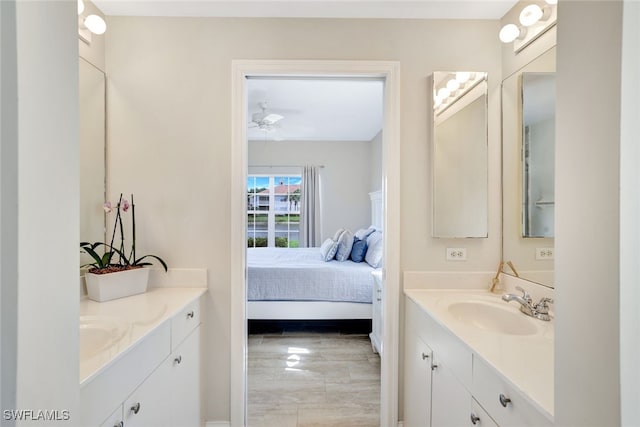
x: 456, y: 254
x: 544, y: 254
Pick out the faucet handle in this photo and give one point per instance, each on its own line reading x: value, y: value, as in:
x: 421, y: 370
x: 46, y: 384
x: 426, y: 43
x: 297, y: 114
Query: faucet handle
x: 542, y: 307
x: 525, y: 294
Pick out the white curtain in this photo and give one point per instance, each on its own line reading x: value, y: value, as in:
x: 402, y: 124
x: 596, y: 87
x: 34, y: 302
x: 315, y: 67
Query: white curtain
x: 310, y: 208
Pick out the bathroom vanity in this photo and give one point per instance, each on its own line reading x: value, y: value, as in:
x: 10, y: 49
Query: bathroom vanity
x: 140, y: 360
x: 473, y: 359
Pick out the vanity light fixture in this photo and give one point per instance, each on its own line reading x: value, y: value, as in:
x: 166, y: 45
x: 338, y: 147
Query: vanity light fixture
x: 90, y: 24
x: 534, y: 20
x: 454, y: 87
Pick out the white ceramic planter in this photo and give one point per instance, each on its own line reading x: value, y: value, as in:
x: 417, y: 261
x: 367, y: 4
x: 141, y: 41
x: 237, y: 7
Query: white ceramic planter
x: 105, y: 287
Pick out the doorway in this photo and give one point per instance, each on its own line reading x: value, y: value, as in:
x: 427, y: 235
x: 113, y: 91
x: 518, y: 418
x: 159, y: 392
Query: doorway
x: 389, y: 73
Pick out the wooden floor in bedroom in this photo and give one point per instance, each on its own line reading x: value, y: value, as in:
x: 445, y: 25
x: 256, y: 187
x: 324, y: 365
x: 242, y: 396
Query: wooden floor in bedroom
x: 306, y: 377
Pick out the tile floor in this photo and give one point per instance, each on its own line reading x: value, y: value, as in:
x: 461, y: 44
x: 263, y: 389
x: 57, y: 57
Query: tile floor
x: 309, y: 379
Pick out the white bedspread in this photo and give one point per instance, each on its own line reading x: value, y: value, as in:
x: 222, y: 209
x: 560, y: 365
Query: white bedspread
x: 300, y: 274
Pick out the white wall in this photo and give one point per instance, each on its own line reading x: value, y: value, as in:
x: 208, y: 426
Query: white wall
x: 344, y: 179
x: 47, y: 194
x: 169, y: 95
x: 375, y: 160
x: 587, y: 363
x: 629, y: 214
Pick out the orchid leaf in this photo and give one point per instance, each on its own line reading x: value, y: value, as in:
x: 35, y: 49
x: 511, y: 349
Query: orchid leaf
x: 164, y: 265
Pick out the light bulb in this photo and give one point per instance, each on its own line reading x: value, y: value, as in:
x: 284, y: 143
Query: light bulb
x: 80, y: 7
x: 463, y: 76
x: 443, y: 93
x: 453, y: 85
x: 437, y: 102
x: 530, y: 15
x: 509, y: 33
x: 95, y: 24
x: 551, y: 1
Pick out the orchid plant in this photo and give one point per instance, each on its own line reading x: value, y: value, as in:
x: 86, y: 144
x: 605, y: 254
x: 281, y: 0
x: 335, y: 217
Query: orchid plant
x: 115, y: 258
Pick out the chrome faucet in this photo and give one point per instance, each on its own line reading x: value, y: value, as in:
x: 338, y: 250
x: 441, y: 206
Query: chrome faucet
x: 539, y: 310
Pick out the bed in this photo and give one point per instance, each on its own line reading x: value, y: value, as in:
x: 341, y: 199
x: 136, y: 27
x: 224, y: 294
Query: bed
x: 296, y: 284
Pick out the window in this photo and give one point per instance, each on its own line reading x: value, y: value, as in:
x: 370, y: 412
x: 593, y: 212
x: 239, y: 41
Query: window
x: 273, y: 211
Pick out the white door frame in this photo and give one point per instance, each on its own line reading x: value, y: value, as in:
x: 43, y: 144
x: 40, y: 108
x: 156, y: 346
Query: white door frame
x: 390, y: 72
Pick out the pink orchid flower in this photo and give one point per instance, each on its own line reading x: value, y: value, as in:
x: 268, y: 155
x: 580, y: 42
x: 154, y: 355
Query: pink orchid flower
x: 107, y: 207
x: 125, y: 205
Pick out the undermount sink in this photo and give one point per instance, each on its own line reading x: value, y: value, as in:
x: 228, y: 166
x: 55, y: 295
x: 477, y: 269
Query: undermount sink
x: 490, y: 316
x: 98, y: 333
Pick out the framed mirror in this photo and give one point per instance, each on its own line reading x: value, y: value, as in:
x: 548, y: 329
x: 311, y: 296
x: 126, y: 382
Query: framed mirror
x: 92, y: 154
x: 460, y: 171
x: 528, y: 165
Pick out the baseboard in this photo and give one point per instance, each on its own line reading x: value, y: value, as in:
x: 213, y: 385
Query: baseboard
x: 217, y: 424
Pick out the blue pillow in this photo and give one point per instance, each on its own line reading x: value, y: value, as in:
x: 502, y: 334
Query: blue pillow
x: 358, y: 250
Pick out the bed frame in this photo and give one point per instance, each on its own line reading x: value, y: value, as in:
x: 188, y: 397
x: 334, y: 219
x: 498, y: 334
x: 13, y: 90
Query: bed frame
x: 318, y: 310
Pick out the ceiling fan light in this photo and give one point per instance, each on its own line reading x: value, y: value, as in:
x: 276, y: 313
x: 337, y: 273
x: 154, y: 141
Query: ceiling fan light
x: 453, y: 85
x: 80, y: 7
x: 272, y: 118
x: 443, y: 93
x: 95, y: 24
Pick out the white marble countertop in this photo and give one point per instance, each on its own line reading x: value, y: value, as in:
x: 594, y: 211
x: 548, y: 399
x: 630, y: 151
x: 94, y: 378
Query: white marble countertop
x: 525, y: 361
x: 128, y: 320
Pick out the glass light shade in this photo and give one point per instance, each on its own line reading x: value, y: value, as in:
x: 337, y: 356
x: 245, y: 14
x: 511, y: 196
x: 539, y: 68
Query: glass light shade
x: 530, y: 15
x: 509, y: 33
x: 443, y: 93
x: 95, y: 24
x: 453, y: 85
x: 463, y: 76
x: 80, y: 7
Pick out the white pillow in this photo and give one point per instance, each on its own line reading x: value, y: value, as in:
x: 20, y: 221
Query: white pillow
x: 328, y: 249
x: 363, y: 233
x: 345, y: 243
x: 336, y: 236
x: 374, y: 250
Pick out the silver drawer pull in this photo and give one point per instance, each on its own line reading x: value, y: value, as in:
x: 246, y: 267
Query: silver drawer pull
x: 434, y: 367
x: 190, y: 314
x: 136, y: 408
x: 120, y: 424
x: 474, y: 419
x: 178, y: 360
x: 504, y: 400
x: 425, y: 356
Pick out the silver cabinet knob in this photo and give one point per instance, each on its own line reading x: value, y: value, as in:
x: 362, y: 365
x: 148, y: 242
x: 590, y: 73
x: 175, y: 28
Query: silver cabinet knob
x: 504, y: 400
x: 425, y: 356
x: 434, y: 367
x: 474, y: 419
x: 190, y: 314
x: 120, y: 424
x: 136, y: 408
x: 178, y: 360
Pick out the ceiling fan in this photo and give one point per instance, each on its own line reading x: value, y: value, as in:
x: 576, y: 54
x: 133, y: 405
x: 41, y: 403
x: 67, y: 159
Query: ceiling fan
x: 264, y: 120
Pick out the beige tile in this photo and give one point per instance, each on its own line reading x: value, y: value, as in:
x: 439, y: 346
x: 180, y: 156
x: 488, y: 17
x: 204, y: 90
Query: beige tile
x: 341, y: 415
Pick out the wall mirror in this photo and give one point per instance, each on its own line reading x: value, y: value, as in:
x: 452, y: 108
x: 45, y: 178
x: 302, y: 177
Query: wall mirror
x: 92, y: 154
x: 528, y: 164
x: 460, y: 175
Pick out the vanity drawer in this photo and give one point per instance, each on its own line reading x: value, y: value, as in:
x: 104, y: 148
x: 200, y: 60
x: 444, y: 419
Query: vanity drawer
x: 507, y: 406
x: 184, y: 322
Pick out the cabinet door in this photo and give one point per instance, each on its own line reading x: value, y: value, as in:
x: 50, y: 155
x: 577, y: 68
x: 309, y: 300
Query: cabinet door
x: 185, y: 382
x: 451, y: 402
x: 115, y: 419
x: 417, y: 383
x: 149, y: 404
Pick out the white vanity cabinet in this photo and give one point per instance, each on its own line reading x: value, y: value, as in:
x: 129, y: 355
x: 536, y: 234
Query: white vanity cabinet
x: 460, y: 388
x: 376, y: 322
x: 156, y: 383
x: 417, y: 386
